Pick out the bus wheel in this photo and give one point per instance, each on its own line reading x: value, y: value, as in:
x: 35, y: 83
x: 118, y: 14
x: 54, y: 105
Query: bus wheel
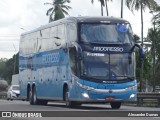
x: 67, y: 101
x: 35, y: 101
x: 115, y: 105
x: 31, y: 97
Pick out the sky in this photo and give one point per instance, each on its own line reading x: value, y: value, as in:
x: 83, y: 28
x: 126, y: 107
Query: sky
x: 18, y: 16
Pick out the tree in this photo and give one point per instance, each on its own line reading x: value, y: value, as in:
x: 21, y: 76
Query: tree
x: 102, y: 5
x: 154, y: 38
x: 156, y: 33
x: 147, y: 61
x: 140, y: 4
x: 2, y: 67
x: 57, y: 10
x: 136, y: 5
x: 136, y: 38
x: 106, y: 1
x: 156, y: 17
x: 9, y: 67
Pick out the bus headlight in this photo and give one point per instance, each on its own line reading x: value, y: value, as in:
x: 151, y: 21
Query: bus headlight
x: 132, y: 96
x: 85, y: 95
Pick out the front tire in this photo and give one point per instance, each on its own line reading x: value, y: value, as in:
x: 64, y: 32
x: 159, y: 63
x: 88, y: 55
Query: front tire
x: 69, y: 103
x: 115, y: 105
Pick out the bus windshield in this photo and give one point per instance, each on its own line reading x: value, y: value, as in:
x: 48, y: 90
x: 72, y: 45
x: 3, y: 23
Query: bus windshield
x: 108, y: 66
x: 106, y: 33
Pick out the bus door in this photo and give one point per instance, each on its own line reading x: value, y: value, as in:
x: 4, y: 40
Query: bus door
x: 75, y: 71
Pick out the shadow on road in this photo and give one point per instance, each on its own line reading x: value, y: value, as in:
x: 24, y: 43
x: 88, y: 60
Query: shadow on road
x: 84, y: 106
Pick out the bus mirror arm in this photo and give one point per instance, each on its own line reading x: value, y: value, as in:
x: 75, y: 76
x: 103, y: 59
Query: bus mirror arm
x: 79, y: 51
x: 141, y: 54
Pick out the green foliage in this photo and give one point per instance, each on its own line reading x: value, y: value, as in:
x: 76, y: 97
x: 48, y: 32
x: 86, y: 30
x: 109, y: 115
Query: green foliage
x: 147, y: 63
x: 58, y: 9
x: 2, y: 67
x: 147, y: 66
x: 136, y: 38
x: 154, y: 36
x: 156, y: 18
x: 9, y: 67
x: 136, y: 4
x: 58, y: 15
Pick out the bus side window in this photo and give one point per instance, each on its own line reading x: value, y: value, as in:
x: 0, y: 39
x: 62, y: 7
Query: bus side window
x: 71, y: 32
x: 72, y: 55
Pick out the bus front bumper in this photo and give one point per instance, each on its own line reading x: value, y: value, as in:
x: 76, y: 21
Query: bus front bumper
x: 107, y: 95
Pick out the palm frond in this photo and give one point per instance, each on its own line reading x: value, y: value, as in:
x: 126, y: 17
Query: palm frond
x: 66, y: 7
x: 49, y: 10
x: 65, y: 12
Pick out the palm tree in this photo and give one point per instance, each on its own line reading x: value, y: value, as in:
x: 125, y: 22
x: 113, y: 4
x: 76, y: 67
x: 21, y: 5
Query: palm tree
x: 106, y: 1
x: 136, y: 5
x: 102, y: 5
x: 140, y: 4
x: 58, y: 9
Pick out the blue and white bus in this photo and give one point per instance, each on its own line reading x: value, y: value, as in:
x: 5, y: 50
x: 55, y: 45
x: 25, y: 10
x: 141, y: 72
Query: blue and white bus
x: 79, y: 60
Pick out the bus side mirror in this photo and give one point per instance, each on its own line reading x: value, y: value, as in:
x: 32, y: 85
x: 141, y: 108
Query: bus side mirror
x: 79, y: 51
x: 141, y: 54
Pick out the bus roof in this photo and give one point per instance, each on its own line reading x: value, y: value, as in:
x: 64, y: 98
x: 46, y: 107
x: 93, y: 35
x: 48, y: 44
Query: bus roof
x: 79, y: 20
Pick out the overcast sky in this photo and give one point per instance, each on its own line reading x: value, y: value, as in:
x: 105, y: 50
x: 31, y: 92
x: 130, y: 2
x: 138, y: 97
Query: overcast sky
x: 18, y: 16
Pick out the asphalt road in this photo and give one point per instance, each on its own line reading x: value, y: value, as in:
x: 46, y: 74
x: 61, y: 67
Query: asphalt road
x: 58, y: 111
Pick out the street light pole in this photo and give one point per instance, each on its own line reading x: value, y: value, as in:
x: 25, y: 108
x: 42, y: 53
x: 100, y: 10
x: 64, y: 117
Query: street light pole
x: 14, y: 70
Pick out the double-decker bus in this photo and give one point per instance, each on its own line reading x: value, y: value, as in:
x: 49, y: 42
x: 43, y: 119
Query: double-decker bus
x: 79, y: 60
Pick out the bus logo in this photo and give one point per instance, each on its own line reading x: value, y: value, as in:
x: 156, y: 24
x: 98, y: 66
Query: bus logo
x: 51, y: 58
x: 110, y: 49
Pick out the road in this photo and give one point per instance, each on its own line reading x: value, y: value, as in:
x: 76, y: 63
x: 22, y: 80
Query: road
x: 85, y: 111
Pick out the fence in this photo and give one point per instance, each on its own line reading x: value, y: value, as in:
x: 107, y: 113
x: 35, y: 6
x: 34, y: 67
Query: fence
x: 147, y: 96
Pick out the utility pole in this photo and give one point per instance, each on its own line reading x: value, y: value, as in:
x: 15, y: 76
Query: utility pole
x: 154, y: 55
x: 121, y: 8
x: 142, y: 63
x: 14, y: 70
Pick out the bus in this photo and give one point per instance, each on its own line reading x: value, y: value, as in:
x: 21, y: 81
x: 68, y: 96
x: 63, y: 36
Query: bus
x: 79, y: 60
